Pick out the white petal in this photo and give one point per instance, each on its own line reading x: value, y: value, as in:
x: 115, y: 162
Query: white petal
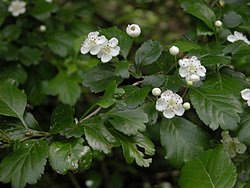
x: 245, y: 94
x: 240, y: 148
x: 248, y: 102
x: 179, y: 110
x: 183, y: 71
x: 238, y: 34
x: 168, y: 114
x: 106, y: 58
x: 161, y: 105
x: 115, y: 51
x: 93, y: 35
x: 113, y: 42
x: 85, y: 49
x: 183, y: 62
x: 100, y: 40
x: 201, y: 71
x: 95, y: 49
x: 231, y: 38
x: 166, y: 95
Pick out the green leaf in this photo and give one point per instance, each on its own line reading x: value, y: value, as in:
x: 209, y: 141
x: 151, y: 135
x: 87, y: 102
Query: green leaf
x: 244, y: 128
x: 134, y: 96
x: 66, y: 87
x: 186, y: 46
x: 15, y: 72
x: 211, y: 169
x: 130, y: 148
x: 201, y: 11
x: 121, y: 69
x: 11, y: 32
x: 69, y: 155
x: 98, y: 136
x: 99, y: 77
x: 42, y: 10
x: 154, y: 80
x: 129, y: 122
x: 107, y: 99
x: 217, y: 106
x: 12, y: 100
x: 24, y: 165
x: 148, y: 53
x: 182, y: 140
x: 60, y: 43
x: 232, y: 19
x: 125, y: 42
x: 29, y: 56
x: 173, y: 82
x: 62, y: 121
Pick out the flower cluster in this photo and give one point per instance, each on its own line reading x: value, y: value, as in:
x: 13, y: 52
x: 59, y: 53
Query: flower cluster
x: 232, y: 145
x: 245, y: 94
x: 17, y: 7
x: 191, y: 69
x: 237, y: 36
x: 99, y: 45
x: 170, y: 104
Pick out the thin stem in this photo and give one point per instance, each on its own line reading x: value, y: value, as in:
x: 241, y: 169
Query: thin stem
x: 74, y: 181
x: 184, y: 93
x: 24, y: 123
x: 91, y: 108
x: 5, y: 136
x: 90, y: 115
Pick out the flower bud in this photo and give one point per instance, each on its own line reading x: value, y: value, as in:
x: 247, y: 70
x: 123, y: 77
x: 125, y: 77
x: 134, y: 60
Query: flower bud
x: 218, y: 23
x: 156, y: 92
x: 189, y: 83
x: 48, y: 1
x: 174, y: 50
x: 186, y: 105
x: 42, y: 28
x: 133, y: 30
x: 194, y: 78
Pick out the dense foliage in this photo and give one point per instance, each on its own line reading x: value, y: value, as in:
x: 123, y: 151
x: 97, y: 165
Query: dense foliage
x: 76, y: 101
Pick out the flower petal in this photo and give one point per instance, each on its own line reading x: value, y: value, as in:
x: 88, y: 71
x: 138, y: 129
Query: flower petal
x: 240, y: 148
x: 85, y: 49
x: 183, y: 71
x: 93, y: 35
x: 238, y: 34
x: 166, y: 95
x: 183, y: 62
x: 100, y: 40
x: 231, y: 38
x: 179, y: 110
x: 201, y: 71
x: 106, y: 58
x: 161, y: 105
x: 245, y: 94
x: 114, y: 51
x: 95, y: 49
x: 168, y: 114
x: 113, y: 42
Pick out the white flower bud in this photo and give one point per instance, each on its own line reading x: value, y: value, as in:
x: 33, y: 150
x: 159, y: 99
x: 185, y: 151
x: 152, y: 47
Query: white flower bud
x: 48, y: 1
x: 174, y: 50
x: 42, y: 28
x: 156, y: 92
x: 189, y: 83
x: 186, y: 105
x: 218, y: 23
x: 194, y: 78
x: 133, y: 30
x: 89, y: 183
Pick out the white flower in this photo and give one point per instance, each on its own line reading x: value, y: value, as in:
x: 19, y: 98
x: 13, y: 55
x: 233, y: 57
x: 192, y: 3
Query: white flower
x: 191, y: 69
x: 108, y: 50
x: 174, y: 50
x: 156, y: 91
x: 93, y: 43
x: 89, y: 183
x: 237, y: 36
x: 133, y: 30
x: 186, y: 106
x: 17, y: 7
x: 170, y: 104
x: 42, y: 28
x: 49, y: 1
x: 232, y: 145
x: 245, y: 94
x: 218, y: 23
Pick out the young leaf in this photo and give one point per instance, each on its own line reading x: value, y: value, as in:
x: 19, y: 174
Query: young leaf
x: 182, y: 140
x: 125, y: 42
x: 12, y: 100
x: 98, y: 136
x: 211, y: 169
x: 148, y: 53
x: 217, y: 106
x: 201, y: 11
x: 129, y: 122
x: 99, y: 77
x: 66, y: 87
x: 24, y: 165
x: 69, y: 155
x: 244, y: 128
x: 62, y: 121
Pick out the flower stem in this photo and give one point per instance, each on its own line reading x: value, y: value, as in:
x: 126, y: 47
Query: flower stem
x: 90, y: 115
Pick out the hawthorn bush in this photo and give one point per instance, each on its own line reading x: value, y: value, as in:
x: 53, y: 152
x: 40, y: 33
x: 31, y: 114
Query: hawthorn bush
x: 101, y: 99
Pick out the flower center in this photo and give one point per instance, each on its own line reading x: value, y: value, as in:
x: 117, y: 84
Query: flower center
x: 132, y: 28
x: 171, y: 103
x: 106, y: 49
x: 192, y: 68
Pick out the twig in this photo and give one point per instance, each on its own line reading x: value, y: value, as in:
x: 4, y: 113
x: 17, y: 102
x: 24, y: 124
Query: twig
x: 90, y: 115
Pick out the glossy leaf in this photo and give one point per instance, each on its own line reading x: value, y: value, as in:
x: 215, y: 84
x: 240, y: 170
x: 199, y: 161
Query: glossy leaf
x: 24, y: 165
x: 98, y: 136
x: 69, y: 155
x: 244, y: 128
x: 232, y: 19
x: 130, y: 148
x: 148, y: 53
x: 122, y: 69
x: 182, y: 140
x: 129, y: 122
x: 211, y: 169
